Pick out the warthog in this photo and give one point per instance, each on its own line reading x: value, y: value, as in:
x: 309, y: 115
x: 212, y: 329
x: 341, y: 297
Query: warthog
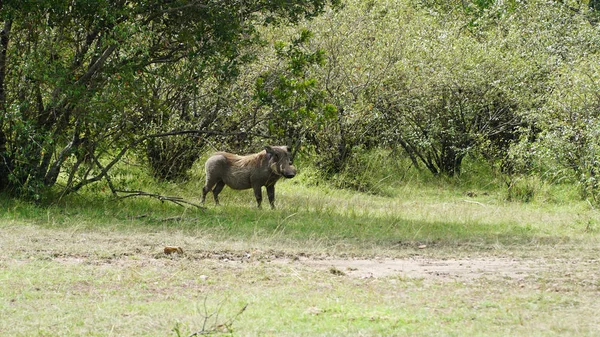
x: 251, y: 171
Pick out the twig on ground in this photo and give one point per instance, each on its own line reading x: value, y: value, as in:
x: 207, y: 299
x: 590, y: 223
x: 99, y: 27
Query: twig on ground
x: 216, y: 327
x: 476, y: 203
x: 176, y: 200
x: 141, y: 216
x: 176, y: 218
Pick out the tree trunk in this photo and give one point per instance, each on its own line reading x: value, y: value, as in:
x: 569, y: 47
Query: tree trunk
x: 450, y: 162
x: 5, y: 161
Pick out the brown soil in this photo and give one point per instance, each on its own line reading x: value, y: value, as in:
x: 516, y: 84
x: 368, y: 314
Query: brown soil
x: 446, y: 269
x: 441, y: 269
x: 25, y: 242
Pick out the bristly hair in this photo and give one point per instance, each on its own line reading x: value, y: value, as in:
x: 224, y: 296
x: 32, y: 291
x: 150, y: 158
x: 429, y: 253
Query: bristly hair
x: 243, y: 161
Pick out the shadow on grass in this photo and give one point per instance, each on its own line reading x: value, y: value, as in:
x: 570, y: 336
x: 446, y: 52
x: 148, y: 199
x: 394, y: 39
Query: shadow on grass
x: 299, y: 226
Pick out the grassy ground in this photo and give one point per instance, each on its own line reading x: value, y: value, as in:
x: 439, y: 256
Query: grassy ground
x: 424, y: 260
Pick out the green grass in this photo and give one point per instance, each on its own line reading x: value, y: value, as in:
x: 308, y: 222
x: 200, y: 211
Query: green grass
x: 89, y: 265
x: 98, y: 283
x: 441, y: 216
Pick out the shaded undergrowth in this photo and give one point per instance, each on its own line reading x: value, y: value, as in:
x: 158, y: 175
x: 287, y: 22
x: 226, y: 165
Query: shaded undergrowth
x: 330, y: 227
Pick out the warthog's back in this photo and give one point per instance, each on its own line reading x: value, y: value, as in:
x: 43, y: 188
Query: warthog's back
x: 235, y: 171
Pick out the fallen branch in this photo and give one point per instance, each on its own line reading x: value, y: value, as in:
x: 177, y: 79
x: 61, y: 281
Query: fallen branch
x: 177, y: 218
x: 176, y: 200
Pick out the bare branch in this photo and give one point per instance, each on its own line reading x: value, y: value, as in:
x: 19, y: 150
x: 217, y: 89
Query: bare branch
x: 104, y: 169
x: 54, y: 170
x: 4, y: 40
x: 206, y: 132
x: 216, y: 328
x: 98, y: 64
x: 176, y: 200
x: 196, y: 4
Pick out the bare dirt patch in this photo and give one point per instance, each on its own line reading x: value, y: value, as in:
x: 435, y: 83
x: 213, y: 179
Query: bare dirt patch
x: 440, y: 269
x: 411, y: 267
x: 446, y: 269
x: 22, y: 243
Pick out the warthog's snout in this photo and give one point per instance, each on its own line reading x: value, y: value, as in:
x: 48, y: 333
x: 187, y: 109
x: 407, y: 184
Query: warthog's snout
x: 289, y: 171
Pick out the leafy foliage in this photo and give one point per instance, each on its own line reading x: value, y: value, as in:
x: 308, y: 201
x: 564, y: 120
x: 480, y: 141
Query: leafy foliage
x: 85, y: 82
x: 570, y: 137
x: 511, y: 82
x: 296, y: 108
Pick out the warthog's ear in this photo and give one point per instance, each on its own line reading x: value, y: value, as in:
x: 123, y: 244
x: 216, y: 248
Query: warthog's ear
x: 269, y: 149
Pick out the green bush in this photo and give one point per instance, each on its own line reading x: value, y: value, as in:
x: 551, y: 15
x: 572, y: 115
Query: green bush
x: 170, y: 158
x: 374, y: 171
x: 524, y: 188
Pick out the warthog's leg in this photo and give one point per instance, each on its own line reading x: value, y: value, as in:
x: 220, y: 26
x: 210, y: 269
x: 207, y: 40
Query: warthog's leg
x: 258, y: 194
x: 205, y: 191
x: 210, y: 183
x: 218, y: 188
x: 271, y: 195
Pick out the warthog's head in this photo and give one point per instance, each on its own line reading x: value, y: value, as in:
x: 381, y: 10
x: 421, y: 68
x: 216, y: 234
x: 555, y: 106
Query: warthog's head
x: 280, y: 161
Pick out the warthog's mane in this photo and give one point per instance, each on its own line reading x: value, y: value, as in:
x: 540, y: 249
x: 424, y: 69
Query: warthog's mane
x: 244, y: 161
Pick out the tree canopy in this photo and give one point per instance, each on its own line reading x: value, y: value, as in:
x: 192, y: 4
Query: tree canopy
x: 84, y: 83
